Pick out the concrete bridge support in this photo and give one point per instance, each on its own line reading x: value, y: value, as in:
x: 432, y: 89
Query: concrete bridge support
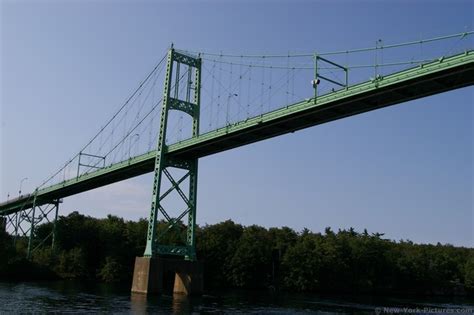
x: 152, y: 276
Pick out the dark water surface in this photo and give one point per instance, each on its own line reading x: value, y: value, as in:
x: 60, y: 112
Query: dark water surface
x: 75, y: 297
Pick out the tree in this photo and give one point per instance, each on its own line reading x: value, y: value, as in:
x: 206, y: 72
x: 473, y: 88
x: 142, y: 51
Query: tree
x: 302, y: 263
x: 111, y: 271
x: 469, y: 273
x: 216, y: 245
x: 250, y: 266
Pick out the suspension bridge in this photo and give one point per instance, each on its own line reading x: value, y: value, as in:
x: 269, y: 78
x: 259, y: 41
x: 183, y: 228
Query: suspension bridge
x: 212, y: 102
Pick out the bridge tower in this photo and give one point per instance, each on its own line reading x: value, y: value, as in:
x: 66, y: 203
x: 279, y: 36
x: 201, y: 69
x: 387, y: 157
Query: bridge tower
x: 149, y: 273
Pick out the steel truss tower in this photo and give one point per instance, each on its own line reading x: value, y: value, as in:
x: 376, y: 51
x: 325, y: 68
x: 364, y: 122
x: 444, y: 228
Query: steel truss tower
x: 184, y: 97
x: 24, y: 223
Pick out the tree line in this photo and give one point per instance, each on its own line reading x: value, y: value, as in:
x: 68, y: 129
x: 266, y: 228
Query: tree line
x: 248, y: 257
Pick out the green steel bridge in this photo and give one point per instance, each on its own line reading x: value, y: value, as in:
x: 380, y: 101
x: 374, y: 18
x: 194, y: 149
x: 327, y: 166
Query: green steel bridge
x: 183, y: 74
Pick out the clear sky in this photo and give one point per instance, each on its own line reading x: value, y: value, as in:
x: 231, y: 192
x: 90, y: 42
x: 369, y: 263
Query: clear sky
x: 406, y: 171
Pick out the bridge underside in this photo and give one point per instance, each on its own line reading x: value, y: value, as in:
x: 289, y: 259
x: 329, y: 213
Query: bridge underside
x: 437, y: 77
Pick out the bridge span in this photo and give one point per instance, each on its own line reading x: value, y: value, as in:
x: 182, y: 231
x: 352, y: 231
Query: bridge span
x: 183, y: 96
x: 421, y: 81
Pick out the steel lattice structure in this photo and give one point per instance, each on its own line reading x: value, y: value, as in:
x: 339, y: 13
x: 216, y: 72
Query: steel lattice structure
x: 164, y: 162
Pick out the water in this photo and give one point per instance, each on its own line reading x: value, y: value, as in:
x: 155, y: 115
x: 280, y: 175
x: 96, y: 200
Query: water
x: 75, y: 297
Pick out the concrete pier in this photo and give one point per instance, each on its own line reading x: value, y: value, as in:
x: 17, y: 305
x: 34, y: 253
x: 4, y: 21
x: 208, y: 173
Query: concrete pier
x: 152, y: 276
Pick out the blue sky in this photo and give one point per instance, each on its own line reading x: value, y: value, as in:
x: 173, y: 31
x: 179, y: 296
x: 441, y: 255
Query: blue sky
x: 405, y: 171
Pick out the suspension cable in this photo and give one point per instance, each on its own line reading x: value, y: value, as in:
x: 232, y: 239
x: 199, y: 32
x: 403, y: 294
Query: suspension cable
x: 338, y: 52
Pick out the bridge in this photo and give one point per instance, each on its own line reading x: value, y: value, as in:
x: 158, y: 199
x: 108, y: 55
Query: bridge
x: 244, y: 84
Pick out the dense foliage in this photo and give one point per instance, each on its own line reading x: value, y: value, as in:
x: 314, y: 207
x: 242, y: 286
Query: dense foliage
x: 250, y: 257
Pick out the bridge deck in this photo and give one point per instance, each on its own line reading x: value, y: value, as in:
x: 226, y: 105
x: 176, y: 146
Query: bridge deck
x: 432, y: 78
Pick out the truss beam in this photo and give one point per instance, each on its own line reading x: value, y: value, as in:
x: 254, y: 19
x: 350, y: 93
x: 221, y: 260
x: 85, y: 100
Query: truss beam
x: 24, y: 223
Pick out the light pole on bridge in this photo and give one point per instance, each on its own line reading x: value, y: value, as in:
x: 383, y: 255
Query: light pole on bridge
x: 21, y: 183
x: 228, y: 106
x: 130, y: 144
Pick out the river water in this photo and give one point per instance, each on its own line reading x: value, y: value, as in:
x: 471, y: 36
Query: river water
x: 75, y: 297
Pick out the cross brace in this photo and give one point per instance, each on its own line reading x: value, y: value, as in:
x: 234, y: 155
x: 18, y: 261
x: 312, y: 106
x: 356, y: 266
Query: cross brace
x: 24, y: 223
